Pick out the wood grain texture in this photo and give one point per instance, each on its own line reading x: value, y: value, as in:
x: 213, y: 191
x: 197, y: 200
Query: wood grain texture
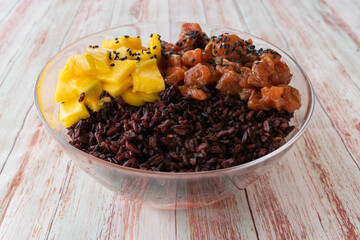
x: 313, y: 194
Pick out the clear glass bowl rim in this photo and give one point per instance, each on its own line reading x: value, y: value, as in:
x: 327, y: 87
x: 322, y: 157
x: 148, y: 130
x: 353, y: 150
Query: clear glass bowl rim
x: 176, y: 175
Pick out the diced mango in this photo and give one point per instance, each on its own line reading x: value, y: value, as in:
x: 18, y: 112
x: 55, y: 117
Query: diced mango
x: 92, y: 89
x: 129, y: 42
x: 147, y: 77
x: 65, y: 74
x: 119, y: 71
x: 154, y: 48
x: 95, y: 104
x: 80, y: 65
x: 100, y: 59
x: 72, y: 112
x: 116, y: 90
x: 133, y: 98
x: 150, y: 97
x: 89, y: 85
x: 123, y: 52
x: 131, y: 54
x: 65, y: 91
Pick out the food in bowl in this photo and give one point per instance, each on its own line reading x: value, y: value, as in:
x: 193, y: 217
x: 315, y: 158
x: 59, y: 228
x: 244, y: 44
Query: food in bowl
x: 197, y: 105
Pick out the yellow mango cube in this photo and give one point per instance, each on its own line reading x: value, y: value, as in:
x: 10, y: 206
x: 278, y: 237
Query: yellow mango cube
x: 99, y: 58
x: 72, y: 112
x: 119, y: 71
x: 147, y: 77
x: 116, y: 90
x: 129, y: 42
x: 92, y: 89
x: 133, y: 98
x: 150, y: 97
x: 79, y: 65
x: 66, y: 74
x: 154, y: 50
x: 65, y: 91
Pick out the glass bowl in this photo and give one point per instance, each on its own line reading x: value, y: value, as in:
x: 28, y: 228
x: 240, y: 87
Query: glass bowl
x: 162, y: 189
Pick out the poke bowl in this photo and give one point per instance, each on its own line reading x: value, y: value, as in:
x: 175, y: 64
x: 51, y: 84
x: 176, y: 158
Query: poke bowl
x: 164, y: 189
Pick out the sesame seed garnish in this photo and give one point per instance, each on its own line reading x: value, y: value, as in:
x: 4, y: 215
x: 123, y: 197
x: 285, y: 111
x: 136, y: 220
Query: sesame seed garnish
x: 113, y: 64
x: 126, y: 36
x: 151, y: 35
x: 82, y: 96
x: 193, y: 60
x: 154, y: 47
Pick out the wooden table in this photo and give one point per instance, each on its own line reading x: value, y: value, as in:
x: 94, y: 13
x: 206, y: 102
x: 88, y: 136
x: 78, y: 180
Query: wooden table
x: 313, y: 194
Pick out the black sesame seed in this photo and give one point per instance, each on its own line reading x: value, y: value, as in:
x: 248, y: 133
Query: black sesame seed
x: 126, y: 36
x: 82, y: 96
x: 193, y: 60
x: 154, y: 47
x: 113, y: 64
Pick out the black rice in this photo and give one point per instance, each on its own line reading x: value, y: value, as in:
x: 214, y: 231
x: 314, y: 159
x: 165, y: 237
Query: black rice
x: 180, y: 134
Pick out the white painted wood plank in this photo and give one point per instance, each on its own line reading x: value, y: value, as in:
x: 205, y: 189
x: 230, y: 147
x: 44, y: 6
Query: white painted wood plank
x: 187, y: 11
x: 291, y: 201
x: 313, y: 193
x: 336, y: 87
x: 22, y: 61
x: 31, y: 183
x: 226, y: 219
